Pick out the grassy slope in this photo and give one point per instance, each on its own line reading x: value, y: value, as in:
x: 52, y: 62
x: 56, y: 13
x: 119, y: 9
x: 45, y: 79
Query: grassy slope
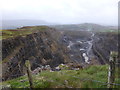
x: 21, y: 32
x: 85, y: 78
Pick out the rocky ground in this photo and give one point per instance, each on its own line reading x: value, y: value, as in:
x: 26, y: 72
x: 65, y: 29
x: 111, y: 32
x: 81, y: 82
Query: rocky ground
x: 40, y: 48
x: 104, y: 43
x: 89, y: 47
x: 47, y: 48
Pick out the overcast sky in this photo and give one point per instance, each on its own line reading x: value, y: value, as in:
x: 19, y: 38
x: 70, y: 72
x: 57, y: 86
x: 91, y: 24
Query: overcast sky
x: 62, y: 11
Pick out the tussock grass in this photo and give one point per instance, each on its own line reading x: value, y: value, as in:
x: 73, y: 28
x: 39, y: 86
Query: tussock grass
x: 85, y: 78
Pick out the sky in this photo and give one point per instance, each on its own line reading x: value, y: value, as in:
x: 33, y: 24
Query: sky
x: 62, y: 11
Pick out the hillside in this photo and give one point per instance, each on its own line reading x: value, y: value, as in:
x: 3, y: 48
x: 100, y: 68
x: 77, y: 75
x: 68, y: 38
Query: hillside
x: 85, y: 55
x: 13, y: 24
x: 85, y: 27
x: 90, y: 77
x: 36, y: 44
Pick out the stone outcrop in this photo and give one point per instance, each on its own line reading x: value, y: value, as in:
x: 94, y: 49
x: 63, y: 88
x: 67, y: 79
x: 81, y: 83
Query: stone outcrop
x: 103, y: 44
x: 41, y: 48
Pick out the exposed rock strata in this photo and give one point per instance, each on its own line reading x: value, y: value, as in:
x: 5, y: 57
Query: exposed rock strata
x: 41, y: 48
x: 103, y: 44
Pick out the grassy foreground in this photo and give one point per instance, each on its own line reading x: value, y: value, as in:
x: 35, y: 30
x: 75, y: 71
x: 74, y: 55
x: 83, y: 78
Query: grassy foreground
x: 90, y: 77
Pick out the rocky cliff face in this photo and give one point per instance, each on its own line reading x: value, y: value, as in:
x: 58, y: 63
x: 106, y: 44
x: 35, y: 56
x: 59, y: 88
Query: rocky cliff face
x: 40, y: 48
x: 103, y: 44
x: 90, y: 47
x: 50, y: 47
x: 77, y: 44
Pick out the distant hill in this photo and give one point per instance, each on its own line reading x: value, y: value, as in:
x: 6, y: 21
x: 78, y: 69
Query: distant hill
x: 84, y: 27
x: 12, y: 24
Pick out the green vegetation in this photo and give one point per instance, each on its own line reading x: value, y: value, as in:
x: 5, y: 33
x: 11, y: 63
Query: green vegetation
x: 89, y: 77
x: 86, y: 26
x: 21, y: 31
x: 107, y: 31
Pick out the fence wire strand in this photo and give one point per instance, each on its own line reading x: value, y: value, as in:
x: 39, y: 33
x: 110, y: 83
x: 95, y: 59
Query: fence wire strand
x: 87, y: 79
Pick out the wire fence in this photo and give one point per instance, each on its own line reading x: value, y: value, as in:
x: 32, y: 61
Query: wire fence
x: 83, y: 79
x: 96, y: 81
x: 87, y: 79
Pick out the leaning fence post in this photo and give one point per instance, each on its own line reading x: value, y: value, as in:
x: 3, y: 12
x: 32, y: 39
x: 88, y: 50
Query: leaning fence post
x: 28, y: 69
x: 111, y: 71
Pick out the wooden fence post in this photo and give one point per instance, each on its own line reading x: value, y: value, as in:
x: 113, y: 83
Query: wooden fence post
x: 118, y: 64
x: 111, y: 71
x: 28, y: 69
